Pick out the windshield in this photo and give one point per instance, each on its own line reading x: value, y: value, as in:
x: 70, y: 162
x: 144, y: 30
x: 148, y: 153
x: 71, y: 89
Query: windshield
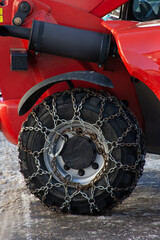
x: 145, y: 10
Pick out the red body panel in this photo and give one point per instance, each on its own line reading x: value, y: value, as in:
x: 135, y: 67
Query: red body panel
x: 140, y: 53
x: 86, y: 5
x: 99, y: 11
x: 14, y: 84
x: 10, y: 121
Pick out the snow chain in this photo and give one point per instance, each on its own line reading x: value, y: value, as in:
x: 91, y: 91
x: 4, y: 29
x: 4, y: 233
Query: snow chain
x: 65, y: 182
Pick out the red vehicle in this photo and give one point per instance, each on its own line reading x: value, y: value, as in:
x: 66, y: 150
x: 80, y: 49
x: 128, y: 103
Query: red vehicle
x: 94, y: 86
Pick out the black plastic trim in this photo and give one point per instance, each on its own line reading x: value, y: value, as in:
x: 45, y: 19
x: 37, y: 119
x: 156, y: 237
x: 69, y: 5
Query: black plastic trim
x: 150, y: 106
x: 30, y: 98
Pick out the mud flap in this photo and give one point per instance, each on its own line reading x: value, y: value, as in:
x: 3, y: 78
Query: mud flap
x: 30, y: 98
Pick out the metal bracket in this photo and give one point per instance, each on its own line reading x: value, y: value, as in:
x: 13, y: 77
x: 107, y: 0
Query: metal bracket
x: 21, y: 14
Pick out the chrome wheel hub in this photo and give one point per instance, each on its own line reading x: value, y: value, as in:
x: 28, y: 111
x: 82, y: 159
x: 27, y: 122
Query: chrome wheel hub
x: 74, y: 152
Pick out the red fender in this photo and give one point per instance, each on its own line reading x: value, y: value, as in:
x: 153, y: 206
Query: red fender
x: 8, y: 125
x: 10, y: 122
x: 139, y: 48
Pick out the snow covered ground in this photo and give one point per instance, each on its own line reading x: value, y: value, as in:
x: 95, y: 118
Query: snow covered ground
x: 23, y: 217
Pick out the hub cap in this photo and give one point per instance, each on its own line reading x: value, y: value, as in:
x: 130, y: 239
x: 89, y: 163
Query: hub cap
x: 79, y: 152
x: 74, y: 152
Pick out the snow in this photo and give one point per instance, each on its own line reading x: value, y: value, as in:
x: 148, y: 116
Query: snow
x: 23, y: 217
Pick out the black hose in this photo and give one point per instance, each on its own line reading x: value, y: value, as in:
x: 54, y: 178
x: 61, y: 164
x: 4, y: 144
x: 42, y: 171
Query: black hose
x: 69, y: 42
x: 14, y: 31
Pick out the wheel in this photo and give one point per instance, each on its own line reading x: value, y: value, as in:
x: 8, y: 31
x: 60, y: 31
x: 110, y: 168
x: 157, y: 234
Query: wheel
x: 81, y: 151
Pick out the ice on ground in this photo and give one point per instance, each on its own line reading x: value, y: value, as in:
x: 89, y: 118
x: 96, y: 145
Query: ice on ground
x: 152, y: 162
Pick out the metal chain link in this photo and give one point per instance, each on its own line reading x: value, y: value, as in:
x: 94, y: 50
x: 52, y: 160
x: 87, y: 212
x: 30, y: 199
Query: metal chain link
x: 105, y: 172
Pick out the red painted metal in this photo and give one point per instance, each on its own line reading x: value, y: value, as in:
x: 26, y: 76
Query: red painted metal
x: 108, y: 5
x: 83, y: 14
x: 86, y: 5
x: 10, y: 121
x: 140, y: 53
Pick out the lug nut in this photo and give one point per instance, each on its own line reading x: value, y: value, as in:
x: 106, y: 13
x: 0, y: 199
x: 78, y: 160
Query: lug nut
x: 66, y: 167
x: 95, y: 166
x: 81, y: 172
x: 18, y: 21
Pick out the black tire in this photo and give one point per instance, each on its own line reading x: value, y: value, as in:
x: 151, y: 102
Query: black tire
x: 108, y: 167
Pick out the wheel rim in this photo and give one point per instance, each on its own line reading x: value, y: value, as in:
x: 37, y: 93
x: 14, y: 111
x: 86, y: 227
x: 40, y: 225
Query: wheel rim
x: 56, y: 164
